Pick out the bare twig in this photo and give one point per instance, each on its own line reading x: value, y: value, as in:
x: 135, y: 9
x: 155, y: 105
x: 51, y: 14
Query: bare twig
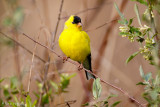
x: 39, y: 102
x: 72, y: 62
x: 56, y: 29
x: 86, y: 10
x: 80, y: 12
x: 16, y: 54
x: 67, y: 103
x: 23, y: 47
x: 152, y: 20
x: 101, y: 25
x: 30, y: 71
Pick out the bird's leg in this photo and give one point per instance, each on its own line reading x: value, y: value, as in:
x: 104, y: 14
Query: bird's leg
x: 65, y: 58
x: 80, y: 67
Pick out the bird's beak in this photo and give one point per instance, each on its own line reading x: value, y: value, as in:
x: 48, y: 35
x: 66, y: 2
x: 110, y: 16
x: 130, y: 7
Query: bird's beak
x: 79, y: 25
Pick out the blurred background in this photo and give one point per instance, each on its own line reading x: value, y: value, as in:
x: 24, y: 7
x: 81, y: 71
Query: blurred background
x: 43, y: 20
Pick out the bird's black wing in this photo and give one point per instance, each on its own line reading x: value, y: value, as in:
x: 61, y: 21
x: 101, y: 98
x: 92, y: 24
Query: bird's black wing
x: 87, y: 64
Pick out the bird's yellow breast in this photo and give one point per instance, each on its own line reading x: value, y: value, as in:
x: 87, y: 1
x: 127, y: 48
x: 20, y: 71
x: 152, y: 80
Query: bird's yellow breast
x: 75, y: 44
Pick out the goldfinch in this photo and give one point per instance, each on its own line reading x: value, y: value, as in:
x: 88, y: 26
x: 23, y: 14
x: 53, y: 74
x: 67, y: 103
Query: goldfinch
x: 75, y: 43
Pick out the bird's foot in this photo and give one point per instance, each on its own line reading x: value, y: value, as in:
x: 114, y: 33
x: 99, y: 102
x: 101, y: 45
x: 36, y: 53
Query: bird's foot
x: 80, y: 67
x: 65, y: 58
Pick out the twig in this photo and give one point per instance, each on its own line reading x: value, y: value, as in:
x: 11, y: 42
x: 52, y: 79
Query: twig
x: 72, y: 62
x: 30, y: 71
x: 16, y: 54
x: 67, y: 103
x: 101, y: 25
x: 80, y: 12
x: 56, y: 29
x: 39, y: 102
x: 152, y: 20
x: 86, y: 10
x: 23, y: 47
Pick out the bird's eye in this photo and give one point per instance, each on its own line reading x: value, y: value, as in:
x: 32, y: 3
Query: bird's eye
x: 76, y: 20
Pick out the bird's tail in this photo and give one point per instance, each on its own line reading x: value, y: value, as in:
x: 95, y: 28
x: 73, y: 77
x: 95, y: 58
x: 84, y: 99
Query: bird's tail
x: 87, y: 65
x: 89, y: 75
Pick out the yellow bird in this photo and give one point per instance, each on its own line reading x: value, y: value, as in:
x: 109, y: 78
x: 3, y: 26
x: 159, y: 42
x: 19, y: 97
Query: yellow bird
x: 75, y: 43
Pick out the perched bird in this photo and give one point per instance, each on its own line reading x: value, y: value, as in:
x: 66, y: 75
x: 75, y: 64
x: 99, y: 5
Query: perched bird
x: 75, y: 43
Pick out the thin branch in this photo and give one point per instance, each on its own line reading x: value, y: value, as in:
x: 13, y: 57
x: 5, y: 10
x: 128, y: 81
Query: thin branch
x: 86, y: 10
x: 152, y: 20
x: 76, y: 64
x: 82, y: 11
x: 30, y: 71
x: 16, y: 54
x: 39, y: 102
x: 67, y: 103
x: 23, y: 47
x: 56, y: 29
x: 101, y: 25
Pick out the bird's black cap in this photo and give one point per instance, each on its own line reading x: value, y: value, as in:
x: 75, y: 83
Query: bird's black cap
x: 76, y: 20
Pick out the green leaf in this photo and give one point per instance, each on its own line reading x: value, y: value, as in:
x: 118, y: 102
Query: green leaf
x: 135, y: 30
x: 141, y: 83
x: 54, y: 85
x: 154, y: 95
x: 141, y: 1
x: 2, y: 104
x: 137, y: 13
x: 130, y: 21
x: 131, y: 57
x: 110, y: 96
x: 7, y: 94
x: 119, y: 12
x: 37, y: 95
x: 148, y: 100
x: 123, y: 33
x: 71, y: 76
x: 65, y: 80
x: 148, y: 76
x: 123, y: 22
x: 28, y: 101
x: 18, y: 16
x: 105, y: 102
x: 15, y: 99
x: 1, y: 80
x: 86, y: 104
x: 45, y: 99
x: 96, y: 88
x: 13, y: 82
x: 141, y: 71
x: 34, y: 103
x: 115, y: 104
x: 13, y: 104
x: 7, y: 21
x: 140, y: 39
x: 15, y: 91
